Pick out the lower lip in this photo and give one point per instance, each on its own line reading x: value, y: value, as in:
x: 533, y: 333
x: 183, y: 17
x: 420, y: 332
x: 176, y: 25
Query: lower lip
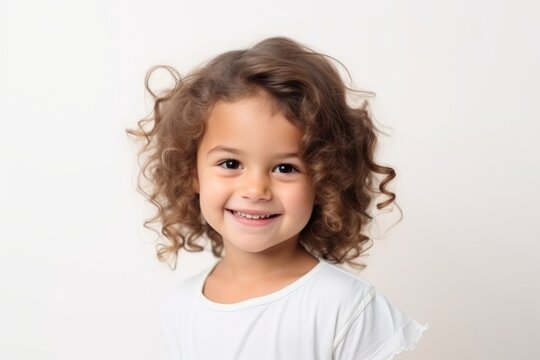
x: 252, y: 222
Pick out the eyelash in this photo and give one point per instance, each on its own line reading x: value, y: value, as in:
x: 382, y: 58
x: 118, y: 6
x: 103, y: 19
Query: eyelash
x: 293, y: 169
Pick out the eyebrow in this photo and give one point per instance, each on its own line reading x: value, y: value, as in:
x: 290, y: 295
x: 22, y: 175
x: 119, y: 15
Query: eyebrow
x: 221, y: 148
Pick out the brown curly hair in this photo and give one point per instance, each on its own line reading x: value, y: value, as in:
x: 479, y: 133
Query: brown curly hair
x: 338, y: 146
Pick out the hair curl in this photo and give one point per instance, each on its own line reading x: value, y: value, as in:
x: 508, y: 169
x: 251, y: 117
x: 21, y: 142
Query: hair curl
x: 338, y: 146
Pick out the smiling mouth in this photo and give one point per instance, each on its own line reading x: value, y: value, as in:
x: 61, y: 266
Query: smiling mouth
x: 252, y: 216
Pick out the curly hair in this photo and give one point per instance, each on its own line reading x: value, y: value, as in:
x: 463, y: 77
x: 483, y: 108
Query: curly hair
x: 338, y: 146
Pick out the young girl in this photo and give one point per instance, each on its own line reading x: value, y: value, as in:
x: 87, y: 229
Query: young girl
x: 258, y: 152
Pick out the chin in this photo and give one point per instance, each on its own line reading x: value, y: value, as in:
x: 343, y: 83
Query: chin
x: 251, y: 248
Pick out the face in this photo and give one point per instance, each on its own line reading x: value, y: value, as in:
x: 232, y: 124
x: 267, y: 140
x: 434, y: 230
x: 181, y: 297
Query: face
x: 252, y: 184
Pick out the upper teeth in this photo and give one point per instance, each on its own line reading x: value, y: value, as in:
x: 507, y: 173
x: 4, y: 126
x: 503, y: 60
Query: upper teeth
x: 249, y: 216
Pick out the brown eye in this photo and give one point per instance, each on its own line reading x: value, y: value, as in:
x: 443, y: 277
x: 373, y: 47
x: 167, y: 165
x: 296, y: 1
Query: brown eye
x: 230, y: 164
x: 285, y: 168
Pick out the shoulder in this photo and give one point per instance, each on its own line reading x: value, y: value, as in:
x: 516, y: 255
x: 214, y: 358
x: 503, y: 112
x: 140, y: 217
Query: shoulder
x: 339, y: 285
x: 369, y: 325
x: 183, y: 293
x: 336, y: 296
x: 341, y: 277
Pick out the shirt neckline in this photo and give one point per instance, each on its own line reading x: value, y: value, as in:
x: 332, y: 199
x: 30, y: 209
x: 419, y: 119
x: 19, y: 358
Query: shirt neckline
x: 259, y: 300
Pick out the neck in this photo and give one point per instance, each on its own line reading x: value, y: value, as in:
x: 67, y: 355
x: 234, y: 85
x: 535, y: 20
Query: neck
x: 284, y: 258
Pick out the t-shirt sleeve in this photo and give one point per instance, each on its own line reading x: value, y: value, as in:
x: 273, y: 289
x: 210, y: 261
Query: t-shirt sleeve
x: 376, y: 330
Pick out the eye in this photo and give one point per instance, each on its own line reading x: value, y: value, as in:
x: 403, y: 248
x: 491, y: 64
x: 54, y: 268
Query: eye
x: 230, y: 164
x: 285, y: 168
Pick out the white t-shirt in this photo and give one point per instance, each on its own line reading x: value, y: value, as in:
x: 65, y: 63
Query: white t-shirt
x: 326, y: 314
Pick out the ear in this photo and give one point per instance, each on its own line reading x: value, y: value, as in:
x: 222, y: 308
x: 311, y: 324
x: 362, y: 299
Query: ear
x: 195, y: 182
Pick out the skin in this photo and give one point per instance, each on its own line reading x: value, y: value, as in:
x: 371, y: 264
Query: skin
x: 248, y: 166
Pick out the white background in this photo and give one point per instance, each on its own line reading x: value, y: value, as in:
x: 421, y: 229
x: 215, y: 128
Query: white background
x: 457, y: 89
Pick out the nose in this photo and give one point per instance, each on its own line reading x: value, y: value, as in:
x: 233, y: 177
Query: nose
x: 256, y: 186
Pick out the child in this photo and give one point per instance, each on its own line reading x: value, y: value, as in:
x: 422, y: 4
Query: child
x: 259, y: 152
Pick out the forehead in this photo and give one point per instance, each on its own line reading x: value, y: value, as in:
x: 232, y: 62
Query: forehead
x: 252, y: 123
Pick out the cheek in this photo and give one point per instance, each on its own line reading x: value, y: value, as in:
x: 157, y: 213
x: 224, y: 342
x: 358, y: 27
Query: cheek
x: 213, y: 192
x: 300, y: 200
